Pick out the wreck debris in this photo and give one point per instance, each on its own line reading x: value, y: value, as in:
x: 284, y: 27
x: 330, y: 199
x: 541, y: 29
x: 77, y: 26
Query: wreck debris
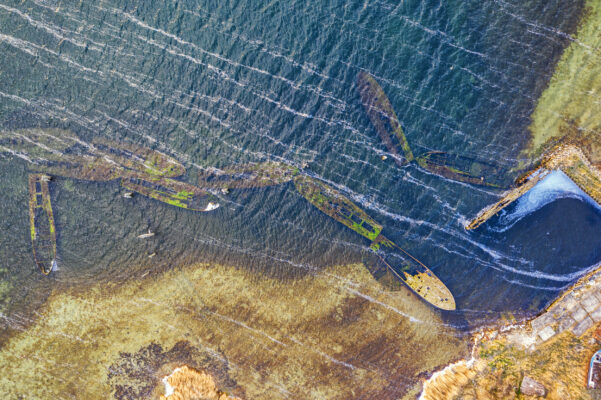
x: 176, y: 193
x: 41, y: 221
x: 412, y: 272
x: 251, y: 175
x: 150, y: 173
x: 146, y: 235
x: 462, y: 169
x: 334, y: 204
x: 383, y: 118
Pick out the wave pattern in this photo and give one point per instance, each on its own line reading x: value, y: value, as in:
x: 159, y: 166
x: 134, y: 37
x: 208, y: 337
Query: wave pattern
x: 217, y: 83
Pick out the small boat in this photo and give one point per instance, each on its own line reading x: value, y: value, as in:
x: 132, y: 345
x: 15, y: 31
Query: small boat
x: 594, y: 371
x: 146, y: 235
x: 128, y: 195
x: 401, y: 265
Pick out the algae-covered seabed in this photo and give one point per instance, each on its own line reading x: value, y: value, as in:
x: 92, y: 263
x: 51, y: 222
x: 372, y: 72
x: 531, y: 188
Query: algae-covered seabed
x: 335, y: 335
x: 572, y: 101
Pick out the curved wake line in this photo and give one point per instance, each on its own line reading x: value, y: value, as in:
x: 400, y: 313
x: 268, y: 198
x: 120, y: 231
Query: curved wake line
x: 556, y: 185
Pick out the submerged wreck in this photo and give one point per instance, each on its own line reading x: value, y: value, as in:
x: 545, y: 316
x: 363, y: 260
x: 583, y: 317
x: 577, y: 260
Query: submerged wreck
x: 176, y: 193
x: 450, y: 166
x: 151, y: 174
x: 383, y: 118
x: 462, y: 169
x: 245, y: 176
x: 41, y: 223
x: 397, y: 261
x: 566, y: 157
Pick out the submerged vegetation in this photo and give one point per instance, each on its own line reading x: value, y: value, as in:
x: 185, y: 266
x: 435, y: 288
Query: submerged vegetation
x: 335, y: 334
x: 571, y: 101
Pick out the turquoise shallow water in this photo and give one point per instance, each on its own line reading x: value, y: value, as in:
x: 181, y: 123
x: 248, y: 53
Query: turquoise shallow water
x: 217, y: 83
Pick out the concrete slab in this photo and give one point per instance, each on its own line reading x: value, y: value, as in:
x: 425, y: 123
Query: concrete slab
x: 579, y: 314
x: 569, y: 303
x: 589, y: 302
x: 596, y: 315
x: 547, y: 333
x: 582, y: 326
x: 566, y: 322
x: 542, y: 321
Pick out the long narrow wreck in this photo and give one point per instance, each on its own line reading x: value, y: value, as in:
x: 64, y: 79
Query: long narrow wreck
x: 566, y: 157
x: 41, y: 222
x: 400, y: 263
x: 384, y: 119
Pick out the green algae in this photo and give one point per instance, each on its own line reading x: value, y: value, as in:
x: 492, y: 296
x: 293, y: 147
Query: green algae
x: 333, y: 335
x: 571, y: 101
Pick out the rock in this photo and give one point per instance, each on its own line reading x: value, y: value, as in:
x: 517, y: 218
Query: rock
x: 530, y: 387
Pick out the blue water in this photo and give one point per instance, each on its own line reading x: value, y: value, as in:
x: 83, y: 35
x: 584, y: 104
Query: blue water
x: 220, y: 82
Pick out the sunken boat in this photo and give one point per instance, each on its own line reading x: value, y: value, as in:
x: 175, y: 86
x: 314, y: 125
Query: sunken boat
x: 413, y: 273
x: 398, y: 262
x: 462, y: 169
x: 172, y: 192
x: 253, y: 175
x: 333, y: 203
x: 41, y: 221
x: 384, y: 119
x: 137, y: 158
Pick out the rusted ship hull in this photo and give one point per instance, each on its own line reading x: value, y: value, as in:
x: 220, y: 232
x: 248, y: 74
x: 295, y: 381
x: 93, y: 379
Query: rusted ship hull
x: 337, y: 206
x: 246, y: 176
x: 137, y: 158
x: 402, y: 265
x: 462, y: 169
x: 413, y: 273
x: 41, y: 221
x: 169, y: 191
x: 383, y: 117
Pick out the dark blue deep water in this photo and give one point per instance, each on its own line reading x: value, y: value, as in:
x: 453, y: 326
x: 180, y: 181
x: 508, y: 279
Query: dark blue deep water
x: 214, y: 83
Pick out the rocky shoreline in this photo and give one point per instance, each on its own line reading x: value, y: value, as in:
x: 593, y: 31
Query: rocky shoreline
x: 552, y: 349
